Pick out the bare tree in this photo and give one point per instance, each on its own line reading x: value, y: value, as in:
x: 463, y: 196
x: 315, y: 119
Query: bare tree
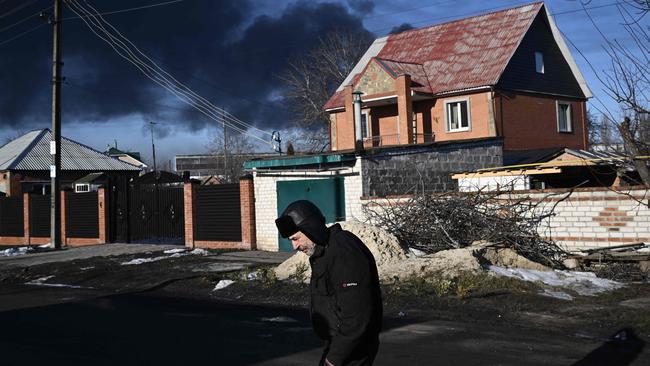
x: 311, y: 79
x: 230, y: 157
x: 628, y: 82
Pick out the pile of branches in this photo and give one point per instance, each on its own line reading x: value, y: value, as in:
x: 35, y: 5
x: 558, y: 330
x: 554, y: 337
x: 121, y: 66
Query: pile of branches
x: 435, y: 222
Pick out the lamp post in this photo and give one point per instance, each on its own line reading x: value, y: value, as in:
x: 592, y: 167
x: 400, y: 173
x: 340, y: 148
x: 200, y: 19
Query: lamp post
x: 358, y: 139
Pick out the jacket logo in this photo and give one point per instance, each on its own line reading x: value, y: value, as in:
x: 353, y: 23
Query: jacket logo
x: 349, y: 284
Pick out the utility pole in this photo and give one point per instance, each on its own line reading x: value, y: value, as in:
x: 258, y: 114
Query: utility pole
x: 225, y: 145
x: 153, y: 147
x: 55, y: 144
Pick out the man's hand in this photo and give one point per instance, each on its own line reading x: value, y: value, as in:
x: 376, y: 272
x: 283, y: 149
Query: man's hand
x: 328, y: 363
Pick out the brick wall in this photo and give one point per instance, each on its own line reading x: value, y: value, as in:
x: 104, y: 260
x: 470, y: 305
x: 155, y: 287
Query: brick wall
x: 247, y: 204
x: 400, y: 170
x: 266, y: 208
x: 597, y: 217
x: 26, y: 239
x: 587, y: 218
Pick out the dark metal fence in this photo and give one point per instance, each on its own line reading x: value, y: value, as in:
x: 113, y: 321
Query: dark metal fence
x: 39, y: 215
x: 11, y: 216
x: 81, y: 215
x: 156, y: 213
x: 217, y: 213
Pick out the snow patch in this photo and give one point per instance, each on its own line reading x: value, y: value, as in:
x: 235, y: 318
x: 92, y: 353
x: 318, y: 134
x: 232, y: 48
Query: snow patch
x: 41, y: 282
x: 172, y: 251
x: 279, y: 319
x: 199, y: 251
x: 13, y: 252
x: 583, y: 283
x: 557, y: 294
x: 223, y: 284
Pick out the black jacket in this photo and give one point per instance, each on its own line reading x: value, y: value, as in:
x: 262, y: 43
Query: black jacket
x: 346, y: 306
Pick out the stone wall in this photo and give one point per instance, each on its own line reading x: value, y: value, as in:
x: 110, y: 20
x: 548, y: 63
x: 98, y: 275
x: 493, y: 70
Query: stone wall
x: 401, y: 170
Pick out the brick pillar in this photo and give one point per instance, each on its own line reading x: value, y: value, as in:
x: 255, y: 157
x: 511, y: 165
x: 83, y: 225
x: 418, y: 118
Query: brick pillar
x: 189, y: 222
x: 404, y: 109
x: 344, y: 133
x: 64, y: 241
x: 247, y: 204
x: 26, y: 218
x: 101, y: 206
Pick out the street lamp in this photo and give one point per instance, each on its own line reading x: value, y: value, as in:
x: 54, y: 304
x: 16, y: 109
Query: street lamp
x: 358, y: 139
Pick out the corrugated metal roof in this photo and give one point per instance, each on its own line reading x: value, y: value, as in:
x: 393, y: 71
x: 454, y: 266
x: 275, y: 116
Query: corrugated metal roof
x: 461, y: 54
x: 32, y: 152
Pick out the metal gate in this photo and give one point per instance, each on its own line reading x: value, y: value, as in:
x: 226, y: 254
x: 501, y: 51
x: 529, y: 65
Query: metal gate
x: 156, y: 214
x: 327, y: 194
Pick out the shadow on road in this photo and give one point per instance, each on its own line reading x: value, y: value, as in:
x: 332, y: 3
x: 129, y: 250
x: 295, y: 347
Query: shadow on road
x: 620, y: 350
x: 146, y: 329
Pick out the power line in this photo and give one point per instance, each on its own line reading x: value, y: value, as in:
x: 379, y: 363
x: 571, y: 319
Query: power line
x: 129, y: 9
x: 24, y: 19
x: 21, y: 34
x: 127, y: 50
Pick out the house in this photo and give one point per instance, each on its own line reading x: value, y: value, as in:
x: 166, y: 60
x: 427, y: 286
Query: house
x: 506, y: 74
x: 25, y: 164
x: 552, y: 168
x: 131, y: 157
x: 455, y: 97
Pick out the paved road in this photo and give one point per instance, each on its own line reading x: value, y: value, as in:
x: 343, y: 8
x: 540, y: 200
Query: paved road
x: 115, y: 249
x: 157, y: 328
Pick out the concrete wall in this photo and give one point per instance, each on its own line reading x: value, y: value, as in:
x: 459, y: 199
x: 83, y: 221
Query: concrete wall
x: 266, y: 210
x: 399, y: 171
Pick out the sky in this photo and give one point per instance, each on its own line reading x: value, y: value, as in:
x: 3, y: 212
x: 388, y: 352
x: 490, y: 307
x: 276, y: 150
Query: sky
x: 230, y: 52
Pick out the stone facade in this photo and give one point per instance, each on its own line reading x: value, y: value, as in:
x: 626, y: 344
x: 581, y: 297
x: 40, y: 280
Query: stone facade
x: 375, y: 80
x: 400, y: 171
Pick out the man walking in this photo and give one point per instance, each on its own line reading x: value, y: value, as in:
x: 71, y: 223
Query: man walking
x: 346, y: 307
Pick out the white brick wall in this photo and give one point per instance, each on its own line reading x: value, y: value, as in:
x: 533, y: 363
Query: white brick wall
x: 590, y: 218
x: 266, y: 199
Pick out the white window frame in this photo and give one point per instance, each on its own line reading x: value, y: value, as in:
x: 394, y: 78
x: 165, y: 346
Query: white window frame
x: 569, y: 116
x: 539, y: 62
x: 469, y: 115
x: 365, y: 124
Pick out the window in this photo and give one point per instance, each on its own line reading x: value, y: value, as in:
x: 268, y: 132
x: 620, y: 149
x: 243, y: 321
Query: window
x: 457, y: 116
x: 564, y: 117
x: 365, y: 128
x: 539, y: 62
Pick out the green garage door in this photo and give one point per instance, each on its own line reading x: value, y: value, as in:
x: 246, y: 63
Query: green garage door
x: 327, y: 194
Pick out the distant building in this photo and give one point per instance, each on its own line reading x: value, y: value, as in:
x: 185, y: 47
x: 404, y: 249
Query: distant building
x: 205, y: 165
x: 25, y: 164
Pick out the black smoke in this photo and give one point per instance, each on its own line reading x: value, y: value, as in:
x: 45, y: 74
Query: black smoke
x: 218, y: 48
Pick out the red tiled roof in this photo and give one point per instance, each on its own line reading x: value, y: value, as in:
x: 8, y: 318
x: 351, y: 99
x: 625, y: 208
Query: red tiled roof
x: 462, y: 54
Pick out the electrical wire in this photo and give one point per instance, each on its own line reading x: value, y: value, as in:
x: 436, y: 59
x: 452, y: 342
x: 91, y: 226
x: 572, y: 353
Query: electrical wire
x: 25, y: 19
x: 131, y: 9
x: 127, y: 50
x: 159, y: 70
x: 22, y: 34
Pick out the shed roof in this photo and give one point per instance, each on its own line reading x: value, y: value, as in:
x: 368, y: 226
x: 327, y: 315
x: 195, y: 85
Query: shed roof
x: 31, y: 151
x: 463, y: 54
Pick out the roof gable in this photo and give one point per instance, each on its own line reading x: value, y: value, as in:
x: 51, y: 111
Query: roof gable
x: 32, y: 152
x: 376, y: 79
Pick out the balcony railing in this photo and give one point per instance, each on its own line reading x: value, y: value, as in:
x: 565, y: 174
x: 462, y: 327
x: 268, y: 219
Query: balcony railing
x: 392, y: 140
